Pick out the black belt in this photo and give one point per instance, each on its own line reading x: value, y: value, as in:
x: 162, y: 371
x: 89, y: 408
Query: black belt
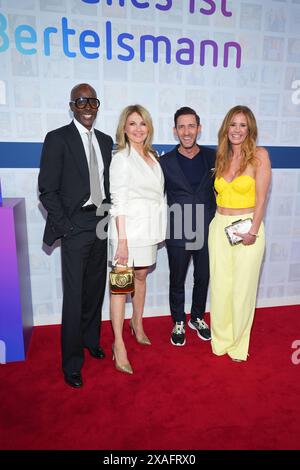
x: 90, y: 207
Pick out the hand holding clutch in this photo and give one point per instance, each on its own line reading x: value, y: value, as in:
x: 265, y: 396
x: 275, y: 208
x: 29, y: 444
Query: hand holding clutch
x: 121, y: 280
x: 240, y: 226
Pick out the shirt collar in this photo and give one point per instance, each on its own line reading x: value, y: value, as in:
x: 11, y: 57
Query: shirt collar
x: 81, y: 129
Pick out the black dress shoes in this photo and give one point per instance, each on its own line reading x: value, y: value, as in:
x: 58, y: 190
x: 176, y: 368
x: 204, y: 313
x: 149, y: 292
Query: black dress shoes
x: 74, y: 380
x: 97, y: 352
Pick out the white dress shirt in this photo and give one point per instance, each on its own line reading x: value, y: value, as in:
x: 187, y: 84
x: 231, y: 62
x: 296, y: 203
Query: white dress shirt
x: 83, y: 131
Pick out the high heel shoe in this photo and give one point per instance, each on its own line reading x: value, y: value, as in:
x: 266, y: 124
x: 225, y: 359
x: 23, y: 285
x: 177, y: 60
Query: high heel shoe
x: 126, y: 368
x: 143, y: 340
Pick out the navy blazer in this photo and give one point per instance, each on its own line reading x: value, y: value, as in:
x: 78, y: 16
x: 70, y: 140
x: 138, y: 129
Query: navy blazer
x: 64, y: 182
x: 179, y: 191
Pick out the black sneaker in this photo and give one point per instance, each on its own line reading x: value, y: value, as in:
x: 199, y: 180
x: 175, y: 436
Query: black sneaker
x: 201, y: 327
x: 178, y: 334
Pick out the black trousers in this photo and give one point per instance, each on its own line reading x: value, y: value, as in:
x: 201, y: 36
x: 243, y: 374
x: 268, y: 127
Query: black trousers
x: 179, y: 260
x: 84, y: 267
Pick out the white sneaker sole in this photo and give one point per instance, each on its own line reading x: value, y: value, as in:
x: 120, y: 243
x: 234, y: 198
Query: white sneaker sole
x: 199, y: 335
x: 177, y: 344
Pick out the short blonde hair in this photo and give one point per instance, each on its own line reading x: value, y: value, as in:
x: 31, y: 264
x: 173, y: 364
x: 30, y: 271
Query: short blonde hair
x: 121, y: 137
x: 248, y: 146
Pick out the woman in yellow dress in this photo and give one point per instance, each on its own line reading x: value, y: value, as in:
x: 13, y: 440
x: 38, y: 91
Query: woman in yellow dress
x: 243, y: 174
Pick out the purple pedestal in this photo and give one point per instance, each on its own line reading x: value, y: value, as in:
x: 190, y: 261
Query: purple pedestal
x: 16, y: 317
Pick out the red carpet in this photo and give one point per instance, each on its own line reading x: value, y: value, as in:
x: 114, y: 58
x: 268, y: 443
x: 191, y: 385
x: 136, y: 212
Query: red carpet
x: 178, y: 398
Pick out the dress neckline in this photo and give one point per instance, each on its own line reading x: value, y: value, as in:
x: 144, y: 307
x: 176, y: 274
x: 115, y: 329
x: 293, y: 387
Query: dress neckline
x: 240, y: 176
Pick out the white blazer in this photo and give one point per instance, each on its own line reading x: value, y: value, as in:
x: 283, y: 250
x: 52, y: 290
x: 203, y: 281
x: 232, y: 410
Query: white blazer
x: 137, y: 191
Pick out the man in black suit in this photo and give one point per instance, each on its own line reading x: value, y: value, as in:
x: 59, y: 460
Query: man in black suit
x: 73, y: 184
x: 188, y: 172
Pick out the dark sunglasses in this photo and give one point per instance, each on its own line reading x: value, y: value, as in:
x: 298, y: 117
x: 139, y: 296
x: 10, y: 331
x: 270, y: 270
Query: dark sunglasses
x: 82, y: 102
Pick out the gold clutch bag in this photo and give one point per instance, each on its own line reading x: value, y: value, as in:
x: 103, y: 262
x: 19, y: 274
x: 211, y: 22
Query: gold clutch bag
x: 121, y: 280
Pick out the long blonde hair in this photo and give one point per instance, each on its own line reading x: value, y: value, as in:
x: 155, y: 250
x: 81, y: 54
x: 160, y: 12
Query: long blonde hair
x: 248, y: 150
x: 121, y: 137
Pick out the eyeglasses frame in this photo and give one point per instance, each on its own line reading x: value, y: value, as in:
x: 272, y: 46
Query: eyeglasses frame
x: 88, y: 101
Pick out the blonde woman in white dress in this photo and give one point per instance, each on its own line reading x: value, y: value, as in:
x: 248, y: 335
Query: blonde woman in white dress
x: 138, y: 219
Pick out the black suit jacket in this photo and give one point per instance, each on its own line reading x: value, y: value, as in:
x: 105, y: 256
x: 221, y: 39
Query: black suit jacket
x: 179, y: 191
x: 64, y: 178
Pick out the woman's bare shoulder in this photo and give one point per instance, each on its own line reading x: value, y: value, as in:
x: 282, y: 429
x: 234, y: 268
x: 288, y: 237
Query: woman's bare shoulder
x: 262, y: 153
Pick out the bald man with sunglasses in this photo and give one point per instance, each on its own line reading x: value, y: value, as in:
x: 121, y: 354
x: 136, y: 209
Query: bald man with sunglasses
x: 74, y: 184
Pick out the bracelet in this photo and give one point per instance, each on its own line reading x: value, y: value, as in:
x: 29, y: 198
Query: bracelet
x: 253, y: 234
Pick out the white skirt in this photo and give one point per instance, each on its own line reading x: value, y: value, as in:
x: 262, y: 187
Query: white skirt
x: 138, y: 256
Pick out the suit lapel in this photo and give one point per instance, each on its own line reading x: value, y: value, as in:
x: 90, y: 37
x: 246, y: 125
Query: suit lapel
x: 106, y: 161
x: 144, y: 167
x: 207, y: 173
x: 178, y: 171
x: 77, y: 149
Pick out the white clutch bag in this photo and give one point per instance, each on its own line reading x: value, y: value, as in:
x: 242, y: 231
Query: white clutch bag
x: 241, y: 226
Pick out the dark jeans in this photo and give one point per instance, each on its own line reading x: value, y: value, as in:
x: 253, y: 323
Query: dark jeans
x: 179, y: 260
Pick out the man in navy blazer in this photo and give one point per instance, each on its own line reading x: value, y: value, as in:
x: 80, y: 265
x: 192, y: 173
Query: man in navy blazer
x: 65, y: 192
x: 188, y: 172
